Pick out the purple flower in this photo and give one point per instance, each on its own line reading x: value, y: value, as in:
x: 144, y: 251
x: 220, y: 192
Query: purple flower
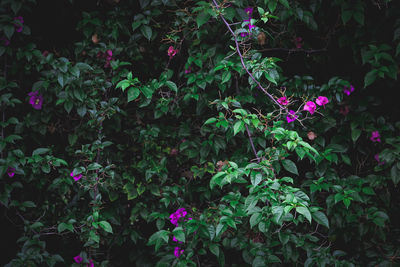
x: 78, y: 259
x: 376, y: 137
x: 376, y: 157
x: 19, y: 21
x: 35, y: 100
x: 6, y: 42
x: 178, y: 252
x: 348, y: 90
x: 76, y: 178
x: 283, y: 101
x: 11, y: 171
x: 310, y: 107
x: 179, y: 213
x: 322, y: 101
x: 188, y: 70
x: 90, y: 264
x: 291, y: 116
x: 249, y: 11
x: 243, y: 34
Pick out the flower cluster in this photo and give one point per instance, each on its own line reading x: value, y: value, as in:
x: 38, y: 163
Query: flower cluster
x: 76, y: 178
x: 107, y: 56
x: 174, y: 217
x: 249, y: 11
x: 79, y: 259
x: 348, y: 90
x: 172, y: 52
x: 311, y: 107
x: 35, y: 100
x: 18, y: 22
x: 375, y: 137
x: 11, y: 171
x: 283, y: 101
x: 291, y: 116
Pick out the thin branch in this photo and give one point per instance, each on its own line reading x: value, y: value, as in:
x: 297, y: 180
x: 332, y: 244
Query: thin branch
x: 242, y: 60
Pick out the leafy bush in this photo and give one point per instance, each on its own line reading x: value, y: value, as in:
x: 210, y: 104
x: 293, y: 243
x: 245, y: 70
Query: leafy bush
x: 202, y: 133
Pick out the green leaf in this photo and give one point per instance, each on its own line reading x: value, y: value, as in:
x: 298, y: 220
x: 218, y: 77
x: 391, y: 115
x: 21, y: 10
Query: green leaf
x: 285, y: 3
x: 40, y: 151
x: 133, y: 93
x: 237, y: 127
x: 146, y: 90
x: 214, y: 248
x: 179, y: 234
x: 321, y: 218
x: 202, y: 18
x: 60, y: 80
x: 370, y: 77
x: 64, y: 226
x: 146, y: 31
x: 346, y: 15
x: 255, y: 219
x: 106, y: 226
x: 290, y: 166
x: 136, y: 25
x: 394, y: 173
x: 210, y: 120
x: 226, y: 76
x: 355, y: 134
x: 305, y: 212
x: 172, y: 86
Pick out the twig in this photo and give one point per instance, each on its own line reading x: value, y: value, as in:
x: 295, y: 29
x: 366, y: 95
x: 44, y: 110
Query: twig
x: 242, y: 60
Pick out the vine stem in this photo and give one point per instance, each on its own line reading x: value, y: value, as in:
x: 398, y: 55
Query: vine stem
x: 242, y: 60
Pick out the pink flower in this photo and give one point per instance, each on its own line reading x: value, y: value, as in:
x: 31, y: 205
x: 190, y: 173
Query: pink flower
x: 76, y: 178
x: 11, y: 171
x: 35, y: 100
x: 376, y: 137
x: 322, y: 101
x: 244, y: 34
x: 172, y: 52
x: 348, y: 90
x: 249, y: 11
x: 90, y: 264
x: 78, y: 259
x: 45, y: 53
x: 178, y: 252
x: 188, y: 70
x: 310, y: 107
x: 283, y: 101
x: 291, y: 116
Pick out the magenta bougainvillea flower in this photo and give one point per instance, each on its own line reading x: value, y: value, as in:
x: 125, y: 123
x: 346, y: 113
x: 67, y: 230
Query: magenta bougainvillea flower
x: 11, y: 171
x: 249, y: 11
x: 348, y: 90
x: 283, y: 101
x: 376, y: 157
x: 179, y: 213
x: 188, y: 70
x: 78, y: 259
x: 5, y: 41
x: 322, y: 101
x: 291, y: 116
x: 35, y: 100
x: 176, y: 240
x: 18, y: 25
x: 310, y: 107
x: 76, y: 178
x: 172, y: 52
x: 90, y: 264
x: 178, y: 252
x: 375, y: 137
x: 297, y: 42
